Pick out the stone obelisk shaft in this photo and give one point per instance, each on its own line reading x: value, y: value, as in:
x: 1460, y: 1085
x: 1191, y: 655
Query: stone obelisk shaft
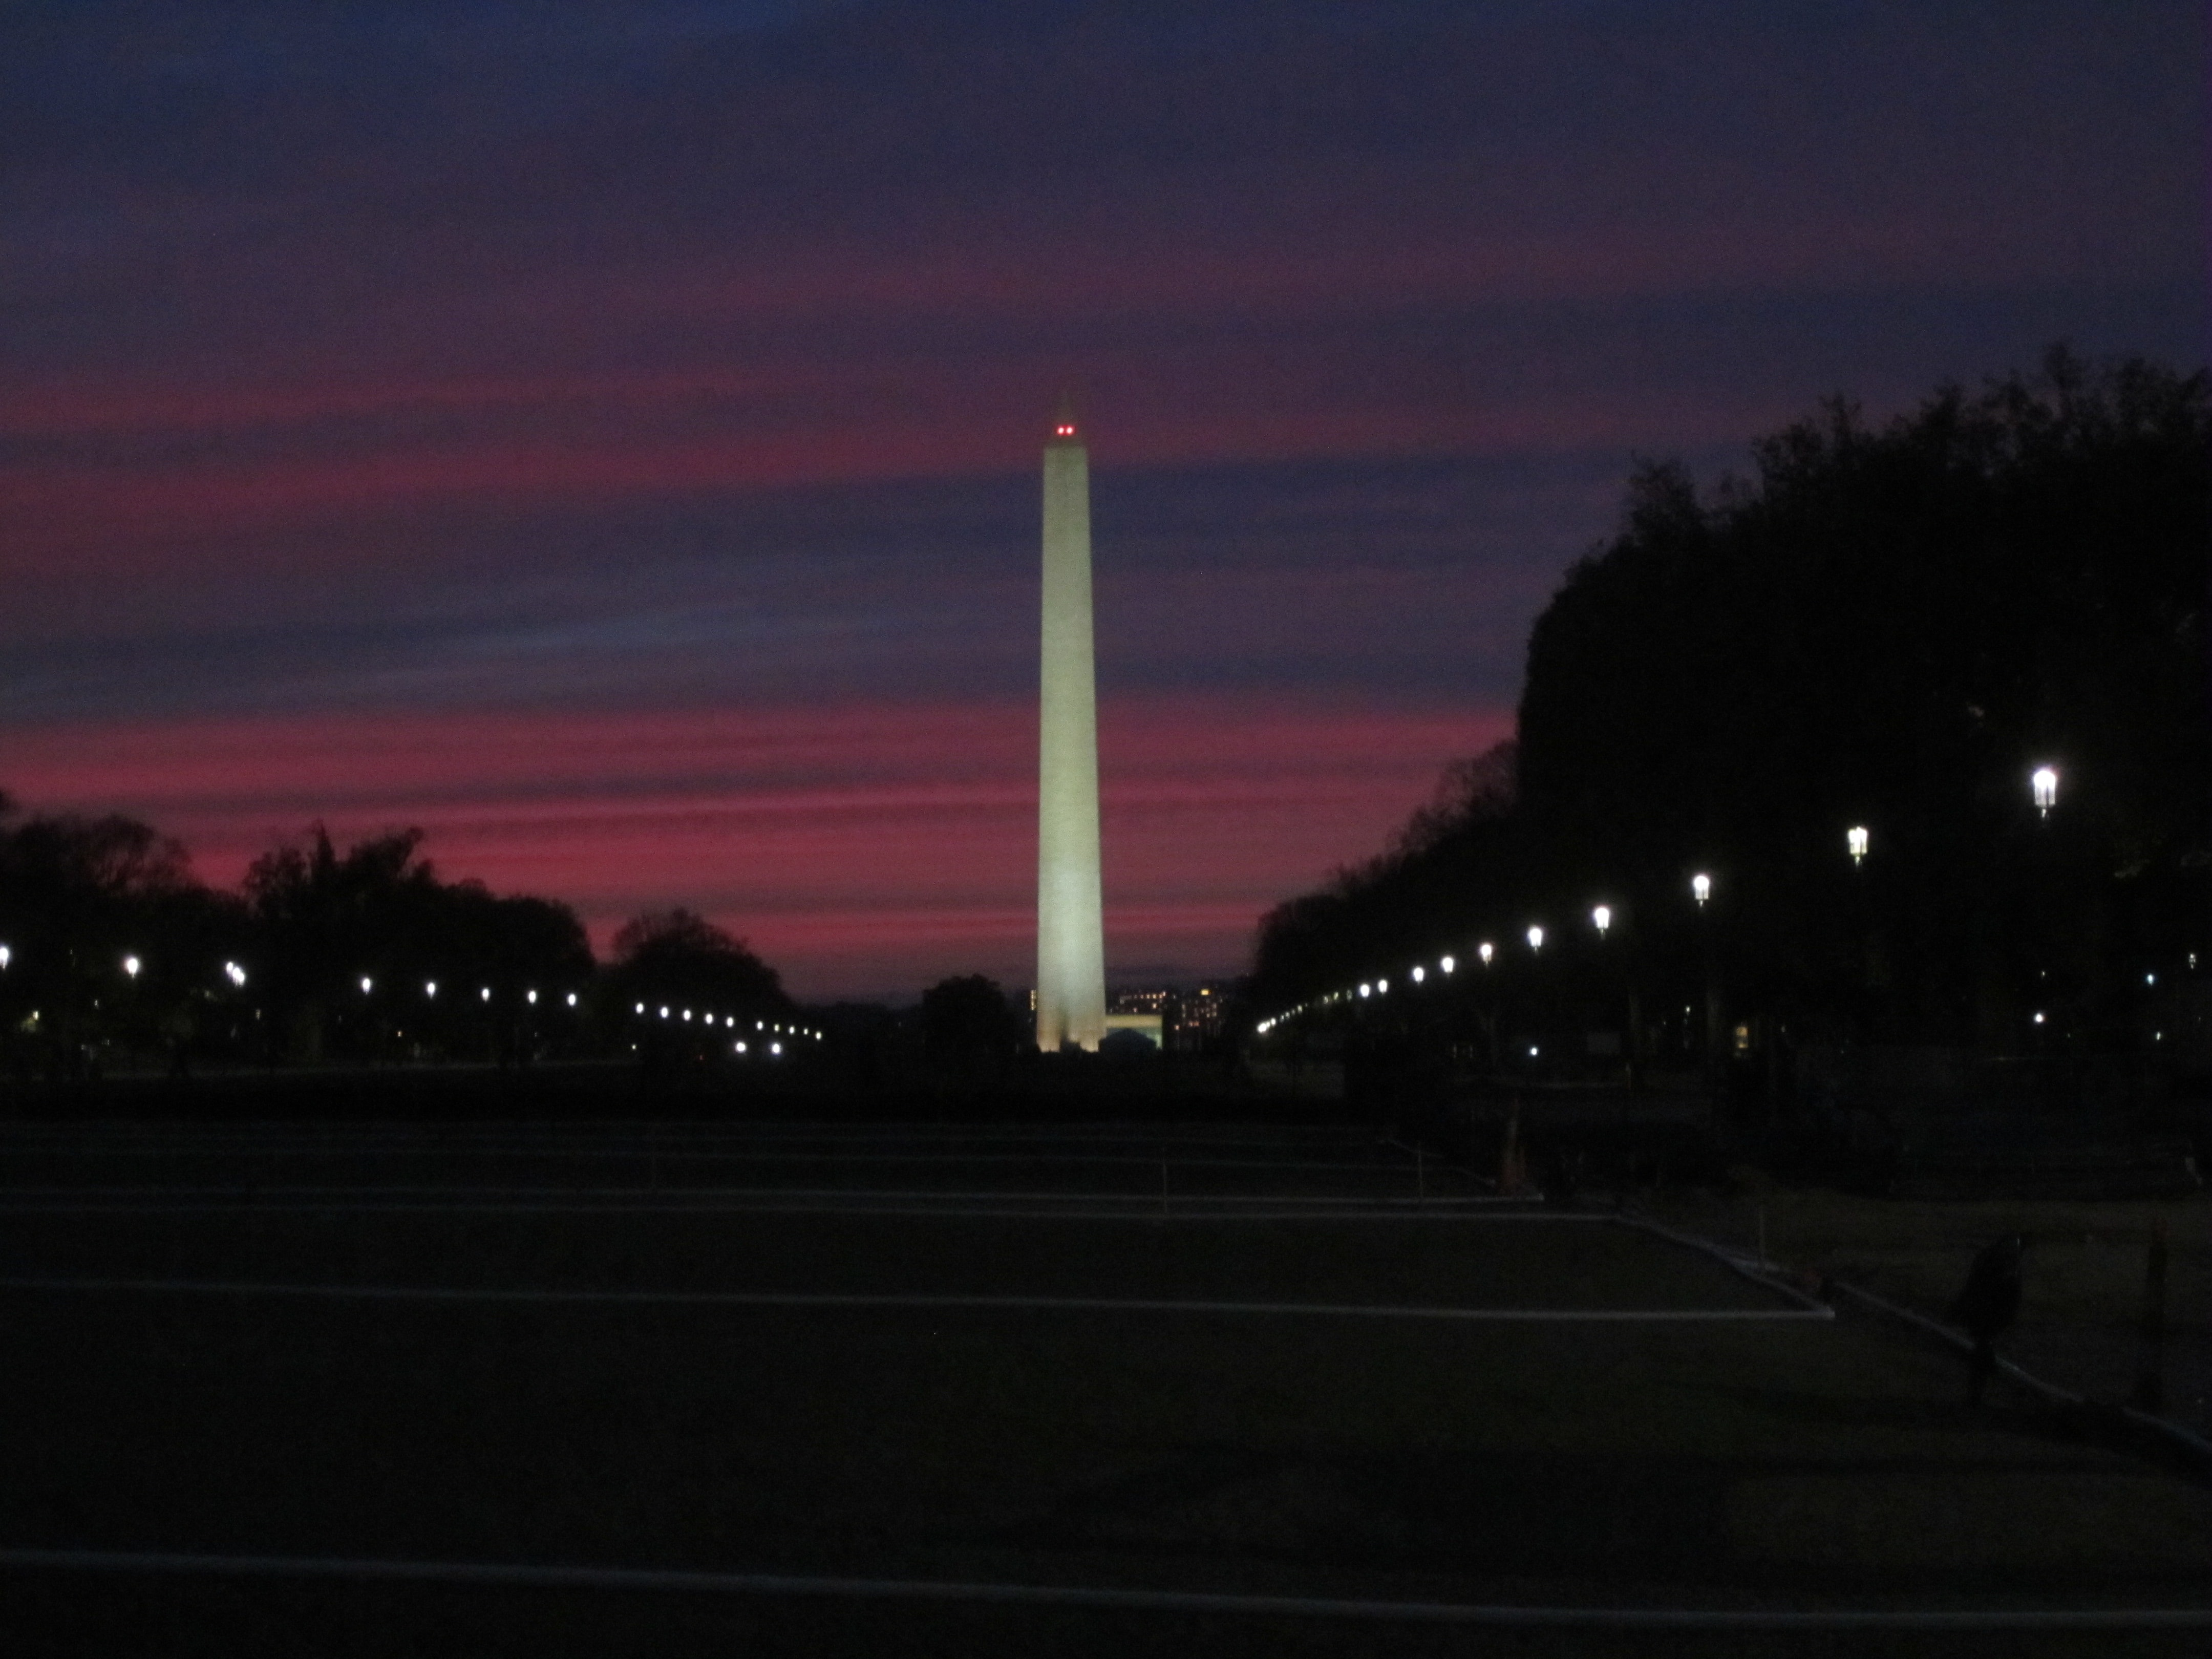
x: 1070, y: 996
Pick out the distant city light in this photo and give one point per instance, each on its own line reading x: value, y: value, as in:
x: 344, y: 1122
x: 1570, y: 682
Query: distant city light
x: 530, y: 996
x: 775, y: 1048
x: 1854, y: 839
x: 1532, y: 1051
x: 429, y: 988
x: 132, y: 965
x: 1419, y: 974
x: 1367, y: 990
x: 487, y: 993
x: 2038, y: 1019
x: 663, y: 1012
x: 687, y: 1013
x: 1701, y: 887
x: 367, y: 985
x: 1535, y: 938
x: 572, y: 999
x: 1603, y: 915
x: 1485, y: 950
x: 741, y: 1045
x: 640, y: 1007
x: 7, y: 956
x: 2150, y: 979
x: 1447, y: 964
x: 233, y: 973
x: 2043, y: 780
x: 1382, y: 987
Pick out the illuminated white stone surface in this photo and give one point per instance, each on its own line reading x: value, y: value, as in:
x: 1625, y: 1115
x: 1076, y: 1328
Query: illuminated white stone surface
x: 1071, y: 999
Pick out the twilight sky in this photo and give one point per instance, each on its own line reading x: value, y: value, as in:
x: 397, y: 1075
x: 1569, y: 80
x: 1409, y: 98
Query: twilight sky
x: 606, y: 435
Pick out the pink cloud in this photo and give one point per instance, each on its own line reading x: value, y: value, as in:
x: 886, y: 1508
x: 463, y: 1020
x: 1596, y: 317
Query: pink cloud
x: 866, y: 848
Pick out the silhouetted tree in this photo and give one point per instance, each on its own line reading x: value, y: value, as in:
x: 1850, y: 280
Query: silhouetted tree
x: 1889, y: 626
x: 79, y: 898
x: 969, y: 1017
x: 353, y: 944
x: 678, y: 960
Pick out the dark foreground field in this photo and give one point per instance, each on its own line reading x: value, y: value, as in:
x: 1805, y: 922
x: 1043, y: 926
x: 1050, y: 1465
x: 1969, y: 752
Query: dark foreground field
x: 504, y: 1390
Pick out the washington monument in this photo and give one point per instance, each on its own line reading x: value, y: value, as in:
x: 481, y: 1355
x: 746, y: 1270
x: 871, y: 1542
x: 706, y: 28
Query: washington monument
x: 1070, y: 981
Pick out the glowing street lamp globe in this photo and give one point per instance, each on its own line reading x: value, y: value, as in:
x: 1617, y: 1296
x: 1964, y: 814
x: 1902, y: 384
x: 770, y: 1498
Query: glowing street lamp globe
x: 1854, y: 839
x: 1419, y: 974
x: 2043, y: 781
x: 132, y: 965
x: 1485, y: 950
x: 1535, y: 938
x: 1447, y: 964
x: 1701, y: 888
x: 1602, y: 916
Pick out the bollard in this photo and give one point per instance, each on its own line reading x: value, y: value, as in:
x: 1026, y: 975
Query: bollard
x: 2150, y: 1351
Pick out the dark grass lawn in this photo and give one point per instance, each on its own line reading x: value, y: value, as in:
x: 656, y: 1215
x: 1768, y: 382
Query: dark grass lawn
x: 1480, y: 1259
x: 1701, y: 1465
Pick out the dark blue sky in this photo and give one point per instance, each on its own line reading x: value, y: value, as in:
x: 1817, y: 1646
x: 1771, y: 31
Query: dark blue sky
x: 395, y: 400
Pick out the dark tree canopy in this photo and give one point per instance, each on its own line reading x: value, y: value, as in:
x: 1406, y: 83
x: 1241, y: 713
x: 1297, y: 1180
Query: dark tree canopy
x: 1888, y: 626
x: 970, y: 1015
x: 276, y: 971
x: 677, y: 957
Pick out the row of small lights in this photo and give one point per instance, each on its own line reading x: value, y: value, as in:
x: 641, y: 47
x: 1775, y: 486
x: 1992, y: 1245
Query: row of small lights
x: 2043, y: 786
x: 133, y: 965
x: 1601, y: 917
x: 762, y: 1029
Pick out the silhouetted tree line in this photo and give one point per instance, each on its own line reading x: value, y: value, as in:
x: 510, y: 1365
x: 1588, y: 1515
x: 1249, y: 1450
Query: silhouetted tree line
x: 1887, y: 626
x: 116, y: 954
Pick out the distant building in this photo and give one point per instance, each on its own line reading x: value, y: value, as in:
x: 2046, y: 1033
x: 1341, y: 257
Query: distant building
x: 1182, y: 1020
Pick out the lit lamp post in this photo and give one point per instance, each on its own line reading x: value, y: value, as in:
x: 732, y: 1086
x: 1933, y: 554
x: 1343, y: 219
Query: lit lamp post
x: 1701, y: 890
x: 1536, y: 938
x: 1485, y: 950
x: 1602, y: 918
x: 1855, y: 838
x: 2044, y: 783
